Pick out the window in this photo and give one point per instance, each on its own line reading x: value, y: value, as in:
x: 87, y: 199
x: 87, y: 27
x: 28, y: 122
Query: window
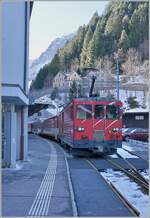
x: 99, y: 111
x: 84, y: 111
x: 71, y: 112
x: 112, y: 112
x: 139, y: 117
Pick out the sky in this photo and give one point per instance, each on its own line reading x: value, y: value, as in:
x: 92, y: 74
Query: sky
x: 52, y: 19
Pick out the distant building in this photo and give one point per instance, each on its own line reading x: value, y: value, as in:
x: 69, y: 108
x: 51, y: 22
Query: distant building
x: 59, y: 80
x: 15, y: 56
x: 62, y: 80
x: 136, y: 118
x: 70, y: 77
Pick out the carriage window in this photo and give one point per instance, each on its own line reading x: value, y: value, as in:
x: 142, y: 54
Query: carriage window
x: 112, y: 112
x: 71, y: 112
x: 99, y: 111
x: 84, y: 112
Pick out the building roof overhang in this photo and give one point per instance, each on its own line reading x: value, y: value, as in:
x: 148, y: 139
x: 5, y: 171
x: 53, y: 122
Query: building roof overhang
x: 14, y: 94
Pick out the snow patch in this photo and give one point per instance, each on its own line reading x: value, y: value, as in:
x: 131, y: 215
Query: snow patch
x: 145, y: 174
x: 129, y: 189
x: 125, y: 154
x: 127, y: 147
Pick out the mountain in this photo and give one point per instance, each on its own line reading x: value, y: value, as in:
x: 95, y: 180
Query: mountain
x: 121, y: 29
x: 46, y: 56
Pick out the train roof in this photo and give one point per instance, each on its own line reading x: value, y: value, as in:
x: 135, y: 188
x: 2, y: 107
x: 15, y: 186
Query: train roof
x: 106, y: 99
x: 97, y: 99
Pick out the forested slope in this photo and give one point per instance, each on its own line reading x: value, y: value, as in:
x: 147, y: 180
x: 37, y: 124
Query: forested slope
x: 123, y: 28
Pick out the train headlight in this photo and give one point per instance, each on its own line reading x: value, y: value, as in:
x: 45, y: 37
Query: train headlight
x: 81, y: 129
x: 115, y: 129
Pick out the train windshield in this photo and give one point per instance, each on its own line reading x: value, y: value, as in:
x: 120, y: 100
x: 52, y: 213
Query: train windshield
x: 112, y: 112
x: 99, y: 112
x: 84, y: 112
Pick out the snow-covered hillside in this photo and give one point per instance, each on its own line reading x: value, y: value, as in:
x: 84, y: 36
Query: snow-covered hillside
x: 47, y: 56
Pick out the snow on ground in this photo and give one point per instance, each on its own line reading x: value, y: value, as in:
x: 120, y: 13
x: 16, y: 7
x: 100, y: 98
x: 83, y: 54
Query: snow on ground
x: 137, y: 110
x: 145, y: 174
x: 44, y: 99
x: 125, y: 146
x: 136, y: 80
x: 129, y: 189
x: 125, y: 154
x: 18, y: 166
x: 113, y: 156
x: 124, y: 94
x: 136, y: 145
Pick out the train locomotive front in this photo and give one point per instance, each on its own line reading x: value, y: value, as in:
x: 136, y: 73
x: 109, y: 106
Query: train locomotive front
x: 91, y: 125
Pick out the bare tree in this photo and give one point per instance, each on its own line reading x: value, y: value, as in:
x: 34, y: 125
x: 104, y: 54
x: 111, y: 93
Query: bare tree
x: 131, y: 66
x: 105, y: 64
x: 75, y: 64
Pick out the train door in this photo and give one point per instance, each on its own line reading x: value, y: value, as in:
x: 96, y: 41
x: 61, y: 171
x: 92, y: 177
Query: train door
x: 98, y: 122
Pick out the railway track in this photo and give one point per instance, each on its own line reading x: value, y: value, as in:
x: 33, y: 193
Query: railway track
x: 131, y: 208
x: 132, y: 153
x: 134, y: 174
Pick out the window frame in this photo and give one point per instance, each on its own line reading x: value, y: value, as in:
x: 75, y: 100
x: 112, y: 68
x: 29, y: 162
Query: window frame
x: 117, y: 113
x: 101, y: 105
x: 84, y: 111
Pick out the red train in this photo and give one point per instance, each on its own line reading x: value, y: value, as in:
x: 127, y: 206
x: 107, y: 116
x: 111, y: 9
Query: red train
x: 87, y: 125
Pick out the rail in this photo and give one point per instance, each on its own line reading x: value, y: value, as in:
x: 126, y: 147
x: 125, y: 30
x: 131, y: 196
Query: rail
x: 134, y: 174
x: 133, y: 153
x: 131, y: 208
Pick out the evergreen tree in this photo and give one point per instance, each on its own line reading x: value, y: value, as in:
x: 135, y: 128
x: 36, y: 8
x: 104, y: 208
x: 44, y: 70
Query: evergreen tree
x: 124, y: 41
x: 123, y: 25
x: 73, y: 91
x: 90, y: 54
x: 87, y: 39
x: 93, y: 21
x: 138, y: 25
x: 98, y: 40
x: 113, y: 26
x: 132, y: 102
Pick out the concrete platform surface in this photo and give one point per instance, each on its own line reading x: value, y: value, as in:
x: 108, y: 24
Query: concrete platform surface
x: 92, y: 194
x: 20, y: 186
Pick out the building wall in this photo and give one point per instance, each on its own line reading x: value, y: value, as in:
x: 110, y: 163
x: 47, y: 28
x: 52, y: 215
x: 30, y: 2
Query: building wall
x: 13, y: 28
x: 62, y: 80
x: 74, y: 76
x: 136, y: 120
x: 59, y: 80
x: 15, y: 51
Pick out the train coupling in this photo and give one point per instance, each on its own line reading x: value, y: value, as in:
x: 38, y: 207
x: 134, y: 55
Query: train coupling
x: 98, y: 149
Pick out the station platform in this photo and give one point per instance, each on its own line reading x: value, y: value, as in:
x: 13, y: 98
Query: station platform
x: 53, y: 183
x: 38, y: 187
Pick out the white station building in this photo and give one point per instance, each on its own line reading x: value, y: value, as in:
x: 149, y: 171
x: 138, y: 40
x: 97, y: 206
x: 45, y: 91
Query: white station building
x: 15, y: 58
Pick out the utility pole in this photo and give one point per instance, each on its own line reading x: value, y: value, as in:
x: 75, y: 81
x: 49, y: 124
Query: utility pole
x: 117, y: 76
